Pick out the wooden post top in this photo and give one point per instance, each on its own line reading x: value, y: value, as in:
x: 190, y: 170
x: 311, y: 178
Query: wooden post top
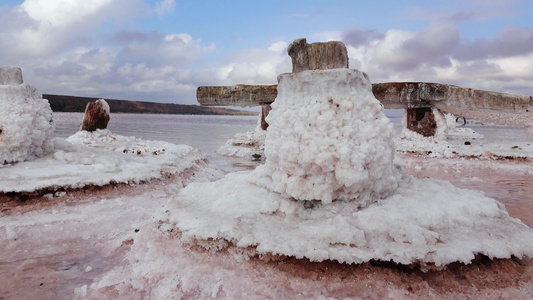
x: 317, y: 56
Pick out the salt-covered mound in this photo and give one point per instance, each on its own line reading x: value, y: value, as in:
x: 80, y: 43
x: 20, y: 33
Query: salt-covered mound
x: 26, y: 125
x: 424, y: 222
x: 249, y: 144
x: 329, y: 139
x: 451, y: 141
x: 100, y: 158
x: 330, y: 145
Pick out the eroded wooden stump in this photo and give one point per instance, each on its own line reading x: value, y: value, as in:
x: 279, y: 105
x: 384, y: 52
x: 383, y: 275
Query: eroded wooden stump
x: 317, y: 56
x: 421, y: 120
x: 96, y: 116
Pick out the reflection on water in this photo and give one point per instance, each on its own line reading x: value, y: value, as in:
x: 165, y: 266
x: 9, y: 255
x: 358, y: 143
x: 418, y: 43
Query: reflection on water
x: 515, y: 193
x: 208, y: 133
x: 513, y: 189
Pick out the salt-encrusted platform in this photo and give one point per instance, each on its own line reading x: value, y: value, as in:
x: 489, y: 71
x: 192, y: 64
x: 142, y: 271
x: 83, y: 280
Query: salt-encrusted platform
x: 100, y: 158
x: 329, y: 190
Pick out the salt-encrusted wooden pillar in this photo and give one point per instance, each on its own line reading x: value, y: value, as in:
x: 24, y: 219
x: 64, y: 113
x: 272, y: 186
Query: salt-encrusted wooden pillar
x: 26, y: 119
x: 9, y: 76
x: 316, y: 56
x: 417, y: 98
x: 96, y: 116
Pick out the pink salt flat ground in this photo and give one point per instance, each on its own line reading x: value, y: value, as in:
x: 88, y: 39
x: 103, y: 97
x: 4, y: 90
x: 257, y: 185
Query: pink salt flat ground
x: 55, y: 275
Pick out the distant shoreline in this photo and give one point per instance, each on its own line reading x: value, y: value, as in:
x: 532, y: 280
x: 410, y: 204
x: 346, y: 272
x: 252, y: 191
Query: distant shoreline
x: 63, y: 103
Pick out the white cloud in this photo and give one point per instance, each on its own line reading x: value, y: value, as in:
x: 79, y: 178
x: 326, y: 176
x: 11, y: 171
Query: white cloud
x: 43, y: 28
x: 139, y: 66
x: 509, y: 41
x: 278, y: 46
x: 62, y: 49
x: 437, y: 53
x: 165, y: 7
x: 254, y: 66
x: 388, y: 51
x: 326, y: 36
x: 516, y: 66
x: 59, y: 13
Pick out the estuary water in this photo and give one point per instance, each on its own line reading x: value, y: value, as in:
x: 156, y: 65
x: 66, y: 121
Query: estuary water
x: 206, y: 133
x: 203, y: 132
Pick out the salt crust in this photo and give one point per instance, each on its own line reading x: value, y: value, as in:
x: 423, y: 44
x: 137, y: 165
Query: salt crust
x: 425, y: 221
x: 420, y: 220
x: 99, y: 158
x: 26, y: 124
x: 245, y: 145
x: 449, y: 141
x: 329, y: 139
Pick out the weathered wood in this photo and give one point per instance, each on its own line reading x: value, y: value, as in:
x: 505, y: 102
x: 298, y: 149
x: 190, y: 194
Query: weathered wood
x: 96, y: 116
x: 421, y: 120
x: 484, y: 106
x: 403, y: 95
x: 317, y: 56
x: 237, y: 95
x: 491, y: 107
x: 265, y: 110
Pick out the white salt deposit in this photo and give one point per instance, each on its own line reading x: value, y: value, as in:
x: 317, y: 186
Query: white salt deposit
x: 100, y: 158
x: 250, y: 144
x: 452, y: 140
x: 26, y: 125
x: 424, y: 222
x: 329, y: 140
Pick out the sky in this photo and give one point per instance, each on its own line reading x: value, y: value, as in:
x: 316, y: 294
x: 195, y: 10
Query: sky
x: 162, y: 50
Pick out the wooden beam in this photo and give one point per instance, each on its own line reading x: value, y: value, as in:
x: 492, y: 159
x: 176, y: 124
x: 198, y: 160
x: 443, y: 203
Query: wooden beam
x: 484, y: 106
x: 237, y: 95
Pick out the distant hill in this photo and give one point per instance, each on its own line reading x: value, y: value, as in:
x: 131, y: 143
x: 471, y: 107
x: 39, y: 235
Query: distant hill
x: 60, y: 103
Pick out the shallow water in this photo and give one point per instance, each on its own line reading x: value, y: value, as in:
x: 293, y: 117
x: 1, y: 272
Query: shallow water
x: 206, y: 133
